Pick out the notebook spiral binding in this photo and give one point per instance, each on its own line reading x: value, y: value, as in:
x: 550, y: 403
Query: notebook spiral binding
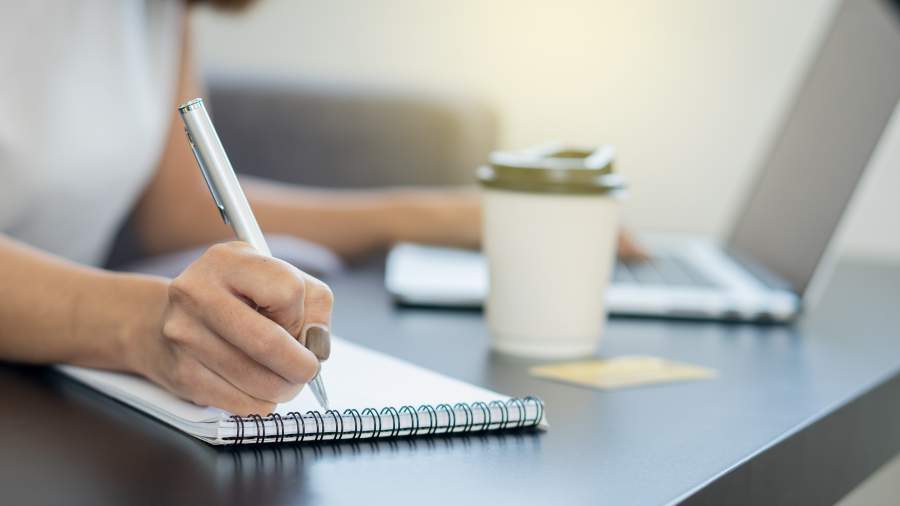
x: 424, y: 420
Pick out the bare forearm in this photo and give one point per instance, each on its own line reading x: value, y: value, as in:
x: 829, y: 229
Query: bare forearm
x: 57, y: 312
x: 355, y: 223
x: 352, y: 223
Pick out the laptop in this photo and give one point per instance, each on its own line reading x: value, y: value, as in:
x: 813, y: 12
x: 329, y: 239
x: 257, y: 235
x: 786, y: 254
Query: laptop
x: 777, y: 255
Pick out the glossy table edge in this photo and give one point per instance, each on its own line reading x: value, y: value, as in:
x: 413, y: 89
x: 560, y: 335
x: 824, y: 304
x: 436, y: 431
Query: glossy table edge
x: 819, y: 462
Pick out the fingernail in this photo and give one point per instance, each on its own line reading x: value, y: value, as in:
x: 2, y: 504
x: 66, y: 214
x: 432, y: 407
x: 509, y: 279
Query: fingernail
x: 318, y: 340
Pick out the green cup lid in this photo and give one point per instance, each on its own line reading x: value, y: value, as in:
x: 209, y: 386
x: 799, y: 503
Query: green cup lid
x: 553, y: 169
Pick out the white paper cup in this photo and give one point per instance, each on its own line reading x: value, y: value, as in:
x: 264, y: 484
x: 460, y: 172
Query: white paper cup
x: 550, y: 227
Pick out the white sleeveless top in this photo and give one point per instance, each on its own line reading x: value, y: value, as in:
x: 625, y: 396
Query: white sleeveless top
x: 86, y: 95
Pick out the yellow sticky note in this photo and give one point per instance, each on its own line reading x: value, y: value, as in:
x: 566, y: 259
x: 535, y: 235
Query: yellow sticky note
x: 621, y: 372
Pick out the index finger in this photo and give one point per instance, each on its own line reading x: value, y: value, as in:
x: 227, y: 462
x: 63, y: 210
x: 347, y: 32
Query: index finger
x: 262, y: 339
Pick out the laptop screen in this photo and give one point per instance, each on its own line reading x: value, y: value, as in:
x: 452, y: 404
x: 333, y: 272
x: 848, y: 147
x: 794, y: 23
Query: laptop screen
x: 838, y: 117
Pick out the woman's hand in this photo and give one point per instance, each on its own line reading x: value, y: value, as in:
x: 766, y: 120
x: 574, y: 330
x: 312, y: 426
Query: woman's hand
x: 240, y: 331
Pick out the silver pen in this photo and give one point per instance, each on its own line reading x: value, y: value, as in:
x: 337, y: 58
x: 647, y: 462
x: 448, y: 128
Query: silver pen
x: 227, y: 193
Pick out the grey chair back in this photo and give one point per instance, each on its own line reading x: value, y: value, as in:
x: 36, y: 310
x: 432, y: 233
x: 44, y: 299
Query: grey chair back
x: 337, y: 137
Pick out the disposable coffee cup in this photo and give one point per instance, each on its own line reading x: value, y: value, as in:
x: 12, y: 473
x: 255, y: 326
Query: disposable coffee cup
x: 550, y: 223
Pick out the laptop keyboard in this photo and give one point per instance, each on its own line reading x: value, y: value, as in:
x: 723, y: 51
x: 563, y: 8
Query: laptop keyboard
x: 665, y: 270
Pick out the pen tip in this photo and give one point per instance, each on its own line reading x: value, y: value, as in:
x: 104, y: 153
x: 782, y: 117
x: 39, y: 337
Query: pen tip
x: 318, y: 390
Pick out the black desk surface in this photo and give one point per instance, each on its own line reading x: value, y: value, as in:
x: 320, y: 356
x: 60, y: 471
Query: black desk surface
x: 799, y: 415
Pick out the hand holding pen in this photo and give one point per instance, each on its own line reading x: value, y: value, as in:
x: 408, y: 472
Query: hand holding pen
x: 242, y: 330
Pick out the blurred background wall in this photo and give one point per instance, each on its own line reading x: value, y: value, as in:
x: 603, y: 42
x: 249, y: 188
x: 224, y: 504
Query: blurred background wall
x: 690, y: 92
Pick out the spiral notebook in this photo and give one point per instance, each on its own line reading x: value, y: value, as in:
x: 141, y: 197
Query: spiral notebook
x: 372, y: 394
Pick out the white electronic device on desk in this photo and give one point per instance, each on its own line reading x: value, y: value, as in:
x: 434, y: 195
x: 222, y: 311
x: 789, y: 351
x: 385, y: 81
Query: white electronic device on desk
x: 776, y: 257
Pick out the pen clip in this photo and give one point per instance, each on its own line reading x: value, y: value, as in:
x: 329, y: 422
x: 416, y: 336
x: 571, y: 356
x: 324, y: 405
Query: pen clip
x: 212, y: 190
